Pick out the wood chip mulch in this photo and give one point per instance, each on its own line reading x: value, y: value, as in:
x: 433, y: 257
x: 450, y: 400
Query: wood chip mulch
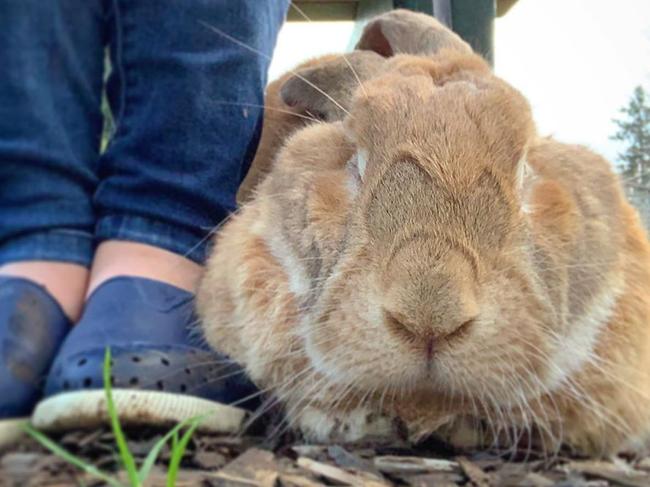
x: 250, y: 461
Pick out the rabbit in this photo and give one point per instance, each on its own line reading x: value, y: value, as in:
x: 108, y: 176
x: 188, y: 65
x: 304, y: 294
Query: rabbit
x: 418, y: 260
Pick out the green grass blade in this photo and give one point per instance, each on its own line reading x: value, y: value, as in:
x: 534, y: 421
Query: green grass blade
x: 150, y: 460
x: 70, y: 458
x: 127, y: 458
x: 178, y: 451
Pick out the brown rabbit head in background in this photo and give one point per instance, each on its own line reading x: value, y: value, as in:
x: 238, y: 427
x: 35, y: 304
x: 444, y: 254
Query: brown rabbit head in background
x: 420, y: 255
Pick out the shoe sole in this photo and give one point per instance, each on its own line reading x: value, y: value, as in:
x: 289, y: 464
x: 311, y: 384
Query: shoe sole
x: 87, y: 409
x: 11, y: 430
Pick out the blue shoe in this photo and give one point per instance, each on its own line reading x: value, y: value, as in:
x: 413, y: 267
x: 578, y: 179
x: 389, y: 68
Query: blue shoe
x: 32, y: 327
x: 162, y: 371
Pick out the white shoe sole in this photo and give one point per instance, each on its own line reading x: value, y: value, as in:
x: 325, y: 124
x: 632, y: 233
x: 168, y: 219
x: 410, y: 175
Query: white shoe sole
x: 11, y: 430
x: 86, y: 409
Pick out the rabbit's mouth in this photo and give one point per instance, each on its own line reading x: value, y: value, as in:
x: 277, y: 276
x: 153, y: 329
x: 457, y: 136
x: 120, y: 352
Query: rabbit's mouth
x: 421, y: 369
x: 450, y: 367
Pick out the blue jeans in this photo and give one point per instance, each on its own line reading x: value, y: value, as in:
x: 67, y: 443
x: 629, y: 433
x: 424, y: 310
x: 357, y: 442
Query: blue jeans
x: 186, y: 126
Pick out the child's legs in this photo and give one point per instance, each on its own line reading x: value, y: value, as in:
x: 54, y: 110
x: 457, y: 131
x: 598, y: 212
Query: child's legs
x: 187, y: 124
x: 50, y: 129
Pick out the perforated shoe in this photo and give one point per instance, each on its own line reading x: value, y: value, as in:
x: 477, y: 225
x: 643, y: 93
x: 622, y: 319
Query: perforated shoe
x: 32, y: 327
x: 162, y: 371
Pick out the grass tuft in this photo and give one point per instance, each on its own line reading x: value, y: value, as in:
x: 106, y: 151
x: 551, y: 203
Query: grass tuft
x: 126, y: 457
x: 136, y: 476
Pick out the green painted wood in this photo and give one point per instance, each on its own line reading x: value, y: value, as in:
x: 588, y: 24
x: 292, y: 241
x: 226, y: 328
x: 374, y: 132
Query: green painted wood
x: 473, y: 20
x: 425, y: 6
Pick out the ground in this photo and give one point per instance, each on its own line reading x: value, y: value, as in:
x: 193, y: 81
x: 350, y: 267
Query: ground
x: 248, y: 461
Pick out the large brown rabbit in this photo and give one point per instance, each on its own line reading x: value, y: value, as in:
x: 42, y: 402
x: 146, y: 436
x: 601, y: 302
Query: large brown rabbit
x: 423, y: 258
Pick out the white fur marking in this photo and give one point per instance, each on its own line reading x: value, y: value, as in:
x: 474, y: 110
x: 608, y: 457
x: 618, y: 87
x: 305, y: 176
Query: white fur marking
x: 578, y: 345
x: 525, y: 178
x: 353, y: 179
x: 362, y: 161
x: 298, y: 281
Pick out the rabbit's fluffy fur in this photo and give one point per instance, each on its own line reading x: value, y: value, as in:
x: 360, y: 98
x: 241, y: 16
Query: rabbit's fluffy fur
x: 419, y: 259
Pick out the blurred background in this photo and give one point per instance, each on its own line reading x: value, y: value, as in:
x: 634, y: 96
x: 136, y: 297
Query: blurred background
x: 583, y: 64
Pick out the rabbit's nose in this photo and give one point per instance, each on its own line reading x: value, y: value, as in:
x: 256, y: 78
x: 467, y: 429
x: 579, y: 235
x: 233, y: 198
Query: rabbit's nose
x: 426, y: 336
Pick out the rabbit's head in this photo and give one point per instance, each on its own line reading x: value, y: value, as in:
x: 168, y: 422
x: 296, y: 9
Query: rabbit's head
x: 433, y: 255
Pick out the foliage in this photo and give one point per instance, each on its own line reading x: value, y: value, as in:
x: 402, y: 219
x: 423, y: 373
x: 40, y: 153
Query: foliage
x: 136, y: 477
x: 634, y: 132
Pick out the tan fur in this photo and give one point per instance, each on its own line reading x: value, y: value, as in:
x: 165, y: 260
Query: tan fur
x: 280, y: 121
x: 282, y: 117
x: 430, y: 258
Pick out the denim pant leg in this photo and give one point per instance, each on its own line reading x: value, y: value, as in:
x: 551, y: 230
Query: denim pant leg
x: 184, y: 98
x: 50, y: 127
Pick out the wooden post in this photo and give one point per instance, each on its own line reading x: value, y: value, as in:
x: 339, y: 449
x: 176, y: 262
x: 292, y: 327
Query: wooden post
x: 473, y: 20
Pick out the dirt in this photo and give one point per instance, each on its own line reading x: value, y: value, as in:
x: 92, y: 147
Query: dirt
x: 250, y: 461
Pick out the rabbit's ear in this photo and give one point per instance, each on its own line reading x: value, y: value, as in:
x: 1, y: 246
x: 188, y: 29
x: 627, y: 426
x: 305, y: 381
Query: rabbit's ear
x: 325, y: 90
x: 406, y: 32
